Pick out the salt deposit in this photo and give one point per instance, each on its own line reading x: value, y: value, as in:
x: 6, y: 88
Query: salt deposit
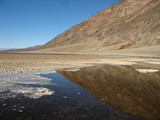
x: 22, y: 83
x: 147, y: 70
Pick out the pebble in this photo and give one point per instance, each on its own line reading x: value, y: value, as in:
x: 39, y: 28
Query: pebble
x: 91, y: 107
x: 4, y: 104
x: 14, y: 105
x: 22, y: 107
x: 20, y: 111
x: 65, y: 97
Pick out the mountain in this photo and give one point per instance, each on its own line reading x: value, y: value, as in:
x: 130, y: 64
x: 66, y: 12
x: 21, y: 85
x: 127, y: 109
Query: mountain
x: 24, y: 49
x: 4, y: 49
x: 129, y: 26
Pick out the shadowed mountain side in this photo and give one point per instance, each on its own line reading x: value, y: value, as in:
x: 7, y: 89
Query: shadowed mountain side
x: 126, y: 24
x: 122, y: 87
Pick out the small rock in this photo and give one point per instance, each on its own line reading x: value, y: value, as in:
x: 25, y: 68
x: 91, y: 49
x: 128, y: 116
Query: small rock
x: 4, y: 104
x: 91, y: 107
x: 22, y: 107
x: 20, y: 111
x: 65, y: 97
x: 14, y: 105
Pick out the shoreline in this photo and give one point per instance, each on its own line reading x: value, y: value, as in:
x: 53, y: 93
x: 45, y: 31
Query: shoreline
x: 83, y: 54
x: 20, y: 62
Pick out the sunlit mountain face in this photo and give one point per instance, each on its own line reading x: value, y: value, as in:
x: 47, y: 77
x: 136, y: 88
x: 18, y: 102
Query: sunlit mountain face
x: 129, y: 27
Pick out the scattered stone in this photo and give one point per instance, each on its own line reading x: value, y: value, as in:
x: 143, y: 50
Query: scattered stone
x: 91, y: 107
x: 14, y: 105
x: 65, y: 97
x: 22, y: 107
x: 4, y: 104
x: 20, y: 111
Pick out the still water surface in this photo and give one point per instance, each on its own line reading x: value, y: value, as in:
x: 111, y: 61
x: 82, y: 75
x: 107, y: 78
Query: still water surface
x: 50, y: 96
x: 133, y: 89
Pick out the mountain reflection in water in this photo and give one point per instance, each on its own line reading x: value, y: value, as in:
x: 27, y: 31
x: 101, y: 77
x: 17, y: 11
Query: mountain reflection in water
x: 122, y: 87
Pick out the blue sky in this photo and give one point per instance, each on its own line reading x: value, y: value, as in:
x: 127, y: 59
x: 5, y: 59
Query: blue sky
x: 25, y: 23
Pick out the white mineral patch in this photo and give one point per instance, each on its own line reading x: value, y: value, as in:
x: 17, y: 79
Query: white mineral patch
x: 114, y: 62
x: 22, y: 84
x: 46, y: 72
x: 154, y: 63
x: 147, y: 70
x: 73, y: 70
x: 33, y: 92
x: 31, y: 79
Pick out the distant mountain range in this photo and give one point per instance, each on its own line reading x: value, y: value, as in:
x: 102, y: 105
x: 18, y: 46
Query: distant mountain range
x: 129, y: 26
x: 22, y: 49
x: 4, y: 49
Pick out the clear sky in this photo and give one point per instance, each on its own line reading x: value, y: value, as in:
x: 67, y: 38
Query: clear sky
x: 25, y: 23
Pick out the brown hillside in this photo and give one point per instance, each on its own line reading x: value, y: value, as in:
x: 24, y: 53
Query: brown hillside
x: 126, y: 24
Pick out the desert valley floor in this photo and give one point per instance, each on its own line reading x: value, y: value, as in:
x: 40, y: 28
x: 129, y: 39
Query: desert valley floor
x: 119, y: 87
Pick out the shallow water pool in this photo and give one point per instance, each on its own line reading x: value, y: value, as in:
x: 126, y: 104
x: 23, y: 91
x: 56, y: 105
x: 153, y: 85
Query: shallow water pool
x: 50, y: 96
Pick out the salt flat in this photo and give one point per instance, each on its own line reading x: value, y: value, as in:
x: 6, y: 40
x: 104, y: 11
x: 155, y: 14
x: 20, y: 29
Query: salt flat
x: 19, y: 63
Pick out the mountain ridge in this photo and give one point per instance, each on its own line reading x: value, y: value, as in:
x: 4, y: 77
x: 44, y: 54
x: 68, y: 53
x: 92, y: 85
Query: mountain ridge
x: 127, y: 24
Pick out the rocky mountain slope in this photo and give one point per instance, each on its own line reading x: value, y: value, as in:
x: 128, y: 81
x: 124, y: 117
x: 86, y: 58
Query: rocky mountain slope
x: 126, y: 25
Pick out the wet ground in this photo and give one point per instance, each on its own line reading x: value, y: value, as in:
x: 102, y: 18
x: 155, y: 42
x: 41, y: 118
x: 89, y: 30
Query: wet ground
x: 50, y: 96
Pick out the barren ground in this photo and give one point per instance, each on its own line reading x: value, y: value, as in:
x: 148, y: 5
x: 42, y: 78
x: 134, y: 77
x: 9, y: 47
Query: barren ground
x: 17, y: 63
